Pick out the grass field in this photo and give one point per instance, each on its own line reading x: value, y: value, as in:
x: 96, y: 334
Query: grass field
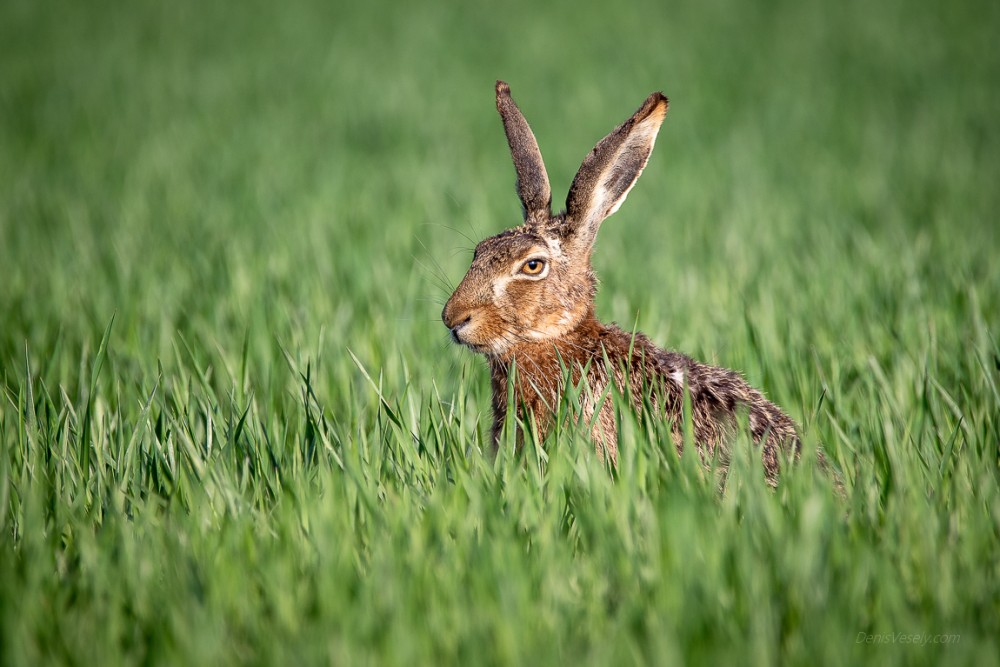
x: 233, y: 429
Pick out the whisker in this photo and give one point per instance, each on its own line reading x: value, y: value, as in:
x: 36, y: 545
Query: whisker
x: 453, y: 229
x: 474, y: 231
x: 437, y: 265
x: 442, y: 280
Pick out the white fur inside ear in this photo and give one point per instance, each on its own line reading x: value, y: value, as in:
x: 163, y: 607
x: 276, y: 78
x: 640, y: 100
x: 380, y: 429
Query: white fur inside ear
x: 627, y: 165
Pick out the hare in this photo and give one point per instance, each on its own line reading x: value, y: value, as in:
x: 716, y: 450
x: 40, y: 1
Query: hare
x: 528, y: 299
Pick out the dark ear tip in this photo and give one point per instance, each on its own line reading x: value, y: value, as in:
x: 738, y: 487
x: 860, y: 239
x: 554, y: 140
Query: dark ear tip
x: 656, y: 99
x: 502, y: 88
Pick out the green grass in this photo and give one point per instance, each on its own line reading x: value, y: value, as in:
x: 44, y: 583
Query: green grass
x: 233, y: 430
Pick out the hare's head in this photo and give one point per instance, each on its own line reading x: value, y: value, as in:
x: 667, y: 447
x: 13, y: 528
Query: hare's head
x: 534, y: 282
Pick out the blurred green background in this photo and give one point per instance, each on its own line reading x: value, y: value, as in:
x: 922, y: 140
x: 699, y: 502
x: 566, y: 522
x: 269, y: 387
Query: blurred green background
x: 253, y: 192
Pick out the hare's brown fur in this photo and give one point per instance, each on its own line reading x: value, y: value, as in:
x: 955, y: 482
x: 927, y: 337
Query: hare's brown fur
x: 527, y: 302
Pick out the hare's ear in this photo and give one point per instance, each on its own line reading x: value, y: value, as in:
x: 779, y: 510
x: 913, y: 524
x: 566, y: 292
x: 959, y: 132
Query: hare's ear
x: 610, y: 171
x: 532, y: 181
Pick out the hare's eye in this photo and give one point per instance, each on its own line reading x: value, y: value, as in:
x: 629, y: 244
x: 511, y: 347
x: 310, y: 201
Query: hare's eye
x: 533, y: 267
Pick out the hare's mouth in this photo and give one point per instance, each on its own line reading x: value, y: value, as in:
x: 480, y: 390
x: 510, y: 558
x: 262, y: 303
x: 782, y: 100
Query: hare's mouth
x: 456, y: 331
x: 490, y: 347
x: 479, y: 348
x: 456, y: 335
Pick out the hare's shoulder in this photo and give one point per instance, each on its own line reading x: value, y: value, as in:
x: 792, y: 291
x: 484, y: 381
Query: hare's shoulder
x: 641, y: 353
x: 718, y: 388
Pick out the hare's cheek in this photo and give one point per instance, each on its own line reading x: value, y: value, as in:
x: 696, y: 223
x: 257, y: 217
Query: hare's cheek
x: 550, y: 323
x: 500, y: 289
x: 522, y: 297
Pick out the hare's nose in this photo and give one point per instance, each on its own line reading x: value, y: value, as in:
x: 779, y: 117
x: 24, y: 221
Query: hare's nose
x: 455, y: 318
